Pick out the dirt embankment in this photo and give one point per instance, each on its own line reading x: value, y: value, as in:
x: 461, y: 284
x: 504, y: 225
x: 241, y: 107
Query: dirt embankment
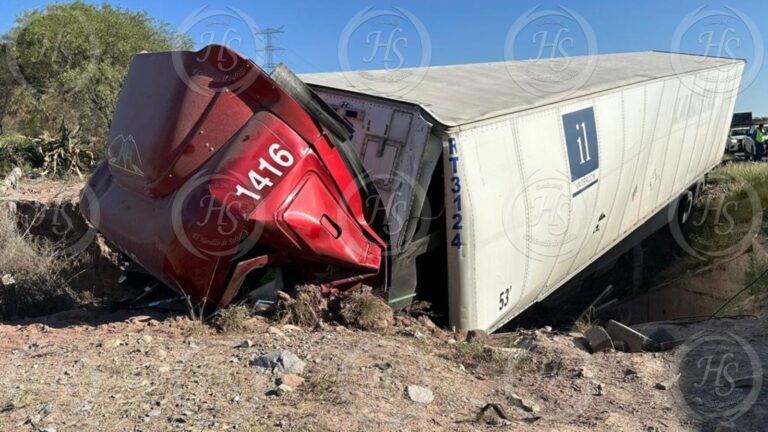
x: 42, y: 227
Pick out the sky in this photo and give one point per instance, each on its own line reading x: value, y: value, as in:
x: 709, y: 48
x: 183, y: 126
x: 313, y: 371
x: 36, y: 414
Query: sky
x: 344, y: 34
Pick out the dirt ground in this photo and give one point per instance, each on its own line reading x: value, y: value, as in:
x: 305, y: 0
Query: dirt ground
x: 91, y: 370
x: 45, y: 190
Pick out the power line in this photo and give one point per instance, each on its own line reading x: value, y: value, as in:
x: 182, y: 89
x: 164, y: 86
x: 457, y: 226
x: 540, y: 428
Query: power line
x: 748, y: 286
x: 269, y: 48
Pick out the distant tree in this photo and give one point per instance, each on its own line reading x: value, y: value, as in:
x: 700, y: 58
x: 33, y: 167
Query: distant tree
x: 7, y: 84
x: 66, y: 62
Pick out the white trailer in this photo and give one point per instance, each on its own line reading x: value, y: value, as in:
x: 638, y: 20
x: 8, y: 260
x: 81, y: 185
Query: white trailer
x: 540, y: 181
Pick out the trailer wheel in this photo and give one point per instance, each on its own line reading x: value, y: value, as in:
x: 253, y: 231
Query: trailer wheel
x: 684, y: 207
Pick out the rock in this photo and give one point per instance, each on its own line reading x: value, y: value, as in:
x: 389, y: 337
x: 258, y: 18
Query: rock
x: 7, y: 280
x: 420, y: 394
x: 114, y: 343
x: 478, y: 336
x: 524, y: 404
x: 426, y: 322
x: 275, y: 331
x: 726, y: 427
x: 527, y: 343
x: 630, y: 375
x: 636, y: 341
x: 159, y: 354
x: 383, y: 366
x: 291, y: 328
x: 598, y: 340
x: 585, y: 373
x: 291, y: 380
x: 145, y: 339
x: 666, y: 385
x: 246, y: 343
x: 596, y: 388
x: 283, y: 389
x: 281, y: 362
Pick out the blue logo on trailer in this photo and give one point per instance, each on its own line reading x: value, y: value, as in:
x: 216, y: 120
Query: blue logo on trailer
x: 581, y: 142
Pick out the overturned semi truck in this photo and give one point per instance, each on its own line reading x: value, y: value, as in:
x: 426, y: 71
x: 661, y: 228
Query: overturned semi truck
x: 483, y: 187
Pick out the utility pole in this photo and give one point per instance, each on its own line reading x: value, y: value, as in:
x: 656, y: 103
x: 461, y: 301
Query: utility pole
x: 269, y: 48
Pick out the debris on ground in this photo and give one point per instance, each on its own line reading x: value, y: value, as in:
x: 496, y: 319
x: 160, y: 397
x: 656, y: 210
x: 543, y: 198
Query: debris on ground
x: 633, y: 341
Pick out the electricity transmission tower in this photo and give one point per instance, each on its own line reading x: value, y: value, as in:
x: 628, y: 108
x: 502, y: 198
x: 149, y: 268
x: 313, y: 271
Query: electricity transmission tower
x: 269, y: 48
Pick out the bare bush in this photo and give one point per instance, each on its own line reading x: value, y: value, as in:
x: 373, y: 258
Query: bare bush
x: 33, y: 274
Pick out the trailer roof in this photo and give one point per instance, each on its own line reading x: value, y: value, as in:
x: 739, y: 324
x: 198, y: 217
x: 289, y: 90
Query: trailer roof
x: 460, y: 94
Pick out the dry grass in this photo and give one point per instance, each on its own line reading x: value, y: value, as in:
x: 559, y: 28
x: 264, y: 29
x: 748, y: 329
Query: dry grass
x: 361, y: 309
x: 38, y: 272
x: 493, y: 360
x: 306, y: 308
x: 233, y: 318
x: 477, y: 355
x: 323, y: 386
x: 365, y: 310
x: 585, y: 322
x: 731, y: 209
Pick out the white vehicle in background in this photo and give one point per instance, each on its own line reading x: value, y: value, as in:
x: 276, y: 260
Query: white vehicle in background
x: 739, y: 139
